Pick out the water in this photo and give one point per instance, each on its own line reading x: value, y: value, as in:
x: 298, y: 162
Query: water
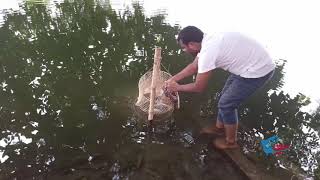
x: 69, y: 75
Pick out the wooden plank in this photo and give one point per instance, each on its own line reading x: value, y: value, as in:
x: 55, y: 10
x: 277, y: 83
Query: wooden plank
x: 255, y: 172
x: 246, y: 166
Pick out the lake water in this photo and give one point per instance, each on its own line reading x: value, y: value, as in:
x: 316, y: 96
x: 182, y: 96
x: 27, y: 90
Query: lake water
x: 69, y: 75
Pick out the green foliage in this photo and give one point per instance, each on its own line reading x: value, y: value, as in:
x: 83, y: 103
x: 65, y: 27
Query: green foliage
x: 67, y: 68
x: 317, y: 173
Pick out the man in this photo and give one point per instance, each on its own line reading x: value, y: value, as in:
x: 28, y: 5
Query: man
x: 248, y: 62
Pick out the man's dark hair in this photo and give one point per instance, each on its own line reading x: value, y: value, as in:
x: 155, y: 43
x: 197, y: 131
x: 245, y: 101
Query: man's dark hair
x: 190, y: 34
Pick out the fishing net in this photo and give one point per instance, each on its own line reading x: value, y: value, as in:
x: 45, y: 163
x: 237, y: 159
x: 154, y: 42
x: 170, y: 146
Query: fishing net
x: 153, y: 97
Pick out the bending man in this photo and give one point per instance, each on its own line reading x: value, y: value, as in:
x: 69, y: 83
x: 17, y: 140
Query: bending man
x: 249, y: 64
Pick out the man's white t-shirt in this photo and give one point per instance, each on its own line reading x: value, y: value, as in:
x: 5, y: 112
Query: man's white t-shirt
x: 235, y: 53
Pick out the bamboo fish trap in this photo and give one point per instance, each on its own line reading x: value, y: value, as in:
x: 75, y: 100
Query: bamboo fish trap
x: 153, y: 99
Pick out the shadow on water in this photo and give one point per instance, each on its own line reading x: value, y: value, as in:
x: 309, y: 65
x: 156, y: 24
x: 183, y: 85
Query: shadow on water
x: 69, y: 76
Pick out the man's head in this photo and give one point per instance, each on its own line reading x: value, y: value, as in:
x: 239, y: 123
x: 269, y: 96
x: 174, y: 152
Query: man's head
x: 190, y: 38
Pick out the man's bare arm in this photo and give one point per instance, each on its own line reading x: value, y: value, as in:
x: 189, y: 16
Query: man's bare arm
x: 191, y: 69
x: 198, y: 86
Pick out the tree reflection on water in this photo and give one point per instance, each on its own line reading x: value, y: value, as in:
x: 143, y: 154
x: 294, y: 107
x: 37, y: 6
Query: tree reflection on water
x: 68, y: 74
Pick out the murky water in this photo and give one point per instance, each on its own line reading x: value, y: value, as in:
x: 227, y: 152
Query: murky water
x: 68, y: 75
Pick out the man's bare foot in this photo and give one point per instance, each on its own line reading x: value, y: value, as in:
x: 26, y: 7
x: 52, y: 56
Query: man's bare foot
x: 212, y: 130
x: 221, y: 143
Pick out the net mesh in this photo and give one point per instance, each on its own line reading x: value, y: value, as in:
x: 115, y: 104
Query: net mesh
x: 163, y: 104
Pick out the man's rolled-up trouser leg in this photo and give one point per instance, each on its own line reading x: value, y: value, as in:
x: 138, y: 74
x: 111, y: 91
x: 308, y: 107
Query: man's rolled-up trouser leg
x: 226, y: 86
x: 237, y: 92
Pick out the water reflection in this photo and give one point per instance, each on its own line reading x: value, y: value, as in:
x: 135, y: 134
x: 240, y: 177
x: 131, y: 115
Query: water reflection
x: 68, y: 78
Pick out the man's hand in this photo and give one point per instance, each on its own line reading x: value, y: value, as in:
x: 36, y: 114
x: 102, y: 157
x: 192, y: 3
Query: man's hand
x: 172, y: 86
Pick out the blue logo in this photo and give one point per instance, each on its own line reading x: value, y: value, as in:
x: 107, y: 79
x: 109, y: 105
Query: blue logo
x: 272, y: 146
